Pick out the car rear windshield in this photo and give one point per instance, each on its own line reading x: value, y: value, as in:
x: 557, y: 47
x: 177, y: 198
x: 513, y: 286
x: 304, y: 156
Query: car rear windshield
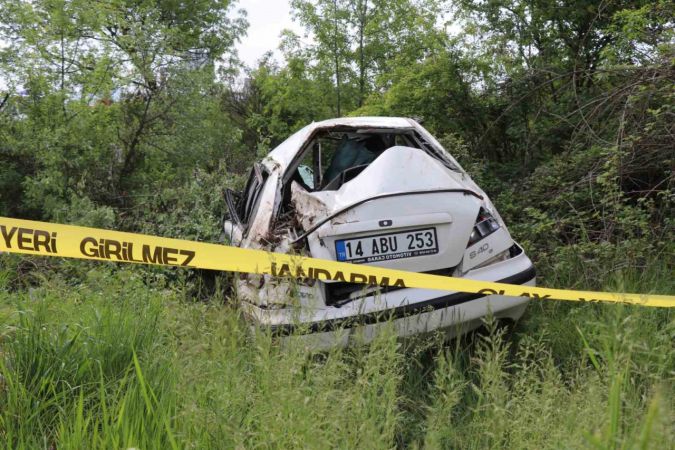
x: 334, y: 157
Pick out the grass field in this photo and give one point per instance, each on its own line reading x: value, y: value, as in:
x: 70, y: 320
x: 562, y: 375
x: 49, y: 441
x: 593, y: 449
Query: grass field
x: 120, y: 358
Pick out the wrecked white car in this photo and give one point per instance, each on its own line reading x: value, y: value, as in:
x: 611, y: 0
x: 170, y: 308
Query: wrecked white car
x: 380, y: 191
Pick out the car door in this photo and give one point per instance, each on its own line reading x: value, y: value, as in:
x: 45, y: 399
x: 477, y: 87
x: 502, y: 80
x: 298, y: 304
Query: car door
x: 242, y: 206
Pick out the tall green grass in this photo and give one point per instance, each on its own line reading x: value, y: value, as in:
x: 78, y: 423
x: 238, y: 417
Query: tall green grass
x: 115, y: 361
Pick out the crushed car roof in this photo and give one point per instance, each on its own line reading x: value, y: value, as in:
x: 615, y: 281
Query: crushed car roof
x: 286, y: 151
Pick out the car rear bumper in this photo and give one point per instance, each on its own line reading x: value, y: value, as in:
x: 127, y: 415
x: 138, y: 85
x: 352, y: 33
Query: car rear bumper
x: 451, y: 321
x: 412, y: 310
x: 443, y: 302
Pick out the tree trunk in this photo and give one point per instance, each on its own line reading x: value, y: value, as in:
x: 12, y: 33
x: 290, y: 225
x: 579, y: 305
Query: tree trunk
x: 337, y: 57
x: 363, y: 10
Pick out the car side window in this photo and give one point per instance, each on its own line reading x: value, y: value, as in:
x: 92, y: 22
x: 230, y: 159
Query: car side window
x: 314, y: 163
x: 306, y: 172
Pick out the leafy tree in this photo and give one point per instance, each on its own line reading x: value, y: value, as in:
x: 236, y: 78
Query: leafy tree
x: 360, y: 42
x: 542, y: 63
x: 274, y: 101
x: 438, y: 91
x: 328, y: 22
x: 106, y: 101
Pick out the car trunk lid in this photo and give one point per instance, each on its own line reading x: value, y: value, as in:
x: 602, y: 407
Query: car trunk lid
x: 406, y: 210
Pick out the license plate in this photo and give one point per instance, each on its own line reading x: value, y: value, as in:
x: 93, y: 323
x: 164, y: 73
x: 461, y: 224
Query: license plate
x: 385, y: 247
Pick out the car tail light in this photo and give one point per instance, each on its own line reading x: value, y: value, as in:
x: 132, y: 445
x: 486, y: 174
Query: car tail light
x: 486, y: 224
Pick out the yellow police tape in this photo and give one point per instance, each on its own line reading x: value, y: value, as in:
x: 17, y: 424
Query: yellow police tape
x: 48, y: 239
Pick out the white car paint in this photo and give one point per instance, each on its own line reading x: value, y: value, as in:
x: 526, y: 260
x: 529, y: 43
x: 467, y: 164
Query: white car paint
x: 405, y: 188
